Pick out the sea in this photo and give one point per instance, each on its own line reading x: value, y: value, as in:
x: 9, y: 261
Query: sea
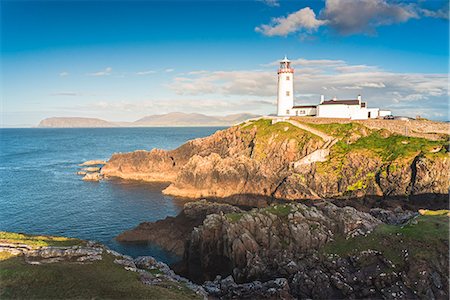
x: 40, y: 192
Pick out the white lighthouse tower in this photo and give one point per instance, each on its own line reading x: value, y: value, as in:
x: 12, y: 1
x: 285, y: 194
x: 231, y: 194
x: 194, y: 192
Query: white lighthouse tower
x: 285, y: 100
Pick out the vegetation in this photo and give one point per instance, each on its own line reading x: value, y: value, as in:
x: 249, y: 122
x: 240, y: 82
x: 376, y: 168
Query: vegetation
x: 441, y: 212
x: 278, y: 132
x: 36, y: 241
x: 392, y: 147
x: 423, y: 237
x: 62, y: 280
x: 234, y: 217
x: 341, y: 131
x: 281, y: 210
x: 100, y: 280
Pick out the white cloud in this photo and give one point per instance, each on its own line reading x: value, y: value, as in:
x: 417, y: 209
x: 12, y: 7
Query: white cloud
x: 304, y: 19
x: 169, y: 70
x: 65, y: 94
x: 273, y: 3
x: 349, y: 17
x: 330, y: 77
x: 142, y: 73
x: 106, y: 72
x: 63, y: 74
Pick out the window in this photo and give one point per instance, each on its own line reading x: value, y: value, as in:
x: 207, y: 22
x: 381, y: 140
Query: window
x: 288, y: 93
x: 302, y: 112
x: 287, y: 78
x: 287, y: 111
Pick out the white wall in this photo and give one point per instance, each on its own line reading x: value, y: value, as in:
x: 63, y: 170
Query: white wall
x: 384, y: 113
x: 333, y: 111
x: 374, y: 112
x: 285, y: 87
x: 354, y: 112
x: 309, y: 111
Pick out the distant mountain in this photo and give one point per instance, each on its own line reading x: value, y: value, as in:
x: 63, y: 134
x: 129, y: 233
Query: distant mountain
x: 170, y: 119
x: 73, y: 122
x: 192, y: 119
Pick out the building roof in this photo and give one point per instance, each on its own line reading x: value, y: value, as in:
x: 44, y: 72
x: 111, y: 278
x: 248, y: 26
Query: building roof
x: 346, y: 102
x: 304, y: 106
x: 285, y: 59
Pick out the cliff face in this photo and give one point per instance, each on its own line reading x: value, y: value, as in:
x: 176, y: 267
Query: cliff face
x: 260, y: 158
x: 322, y: 252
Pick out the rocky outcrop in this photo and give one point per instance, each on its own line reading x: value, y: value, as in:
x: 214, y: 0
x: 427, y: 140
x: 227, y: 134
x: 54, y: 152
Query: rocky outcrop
x: 173, y: 232
x: 283, y: 252
x: 257, y: 244
x: 285, y: 162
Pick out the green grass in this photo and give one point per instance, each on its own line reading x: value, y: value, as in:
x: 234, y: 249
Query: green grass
x: 37, y: 241
x: 424, y: 237
x: 392, y: 147
x: 341, y: 131
x: 99, y: 280
x: 440, y: 212
x: 234, y: 217
x: 278, y: 132
x: 281, y: 210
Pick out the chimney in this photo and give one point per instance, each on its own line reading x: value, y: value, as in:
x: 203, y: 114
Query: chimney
x: 322, y: 98
x: 359, y: 99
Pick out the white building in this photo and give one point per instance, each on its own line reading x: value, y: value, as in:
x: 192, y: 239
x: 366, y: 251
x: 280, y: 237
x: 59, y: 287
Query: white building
x: 353, y: 109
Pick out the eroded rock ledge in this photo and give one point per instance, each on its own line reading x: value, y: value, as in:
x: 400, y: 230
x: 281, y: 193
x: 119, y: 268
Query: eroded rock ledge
x: 318, y: 251
x: 268, y: 160
x: 172, y: 232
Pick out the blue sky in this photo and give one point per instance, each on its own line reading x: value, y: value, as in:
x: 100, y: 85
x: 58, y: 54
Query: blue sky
x: 122, y: 60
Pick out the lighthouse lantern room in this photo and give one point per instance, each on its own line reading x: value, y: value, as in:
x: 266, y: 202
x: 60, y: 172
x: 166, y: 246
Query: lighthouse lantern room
x: 285, y: 88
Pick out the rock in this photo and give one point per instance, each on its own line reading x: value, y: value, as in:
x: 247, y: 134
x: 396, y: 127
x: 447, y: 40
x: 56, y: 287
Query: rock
x: 270, y: 162
x: 93, y: 163
x: 81, y: 173
x: 91, y: 169
x: 268, y: 240
x: 172, y: 232
x: 92, y: 176
x: 392, y: 217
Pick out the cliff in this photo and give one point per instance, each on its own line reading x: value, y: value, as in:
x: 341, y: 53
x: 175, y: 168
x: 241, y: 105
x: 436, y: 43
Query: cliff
x: 313, y: 251
x: 320, y: 252
x: 283, y: 161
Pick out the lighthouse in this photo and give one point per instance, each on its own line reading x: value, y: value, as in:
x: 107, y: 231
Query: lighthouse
x: 285, y: 100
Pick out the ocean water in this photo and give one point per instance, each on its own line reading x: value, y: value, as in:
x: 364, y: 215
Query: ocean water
x: 40, y: 192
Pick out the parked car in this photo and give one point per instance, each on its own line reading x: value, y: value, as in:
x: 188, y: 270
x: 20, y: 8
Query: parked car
x: 388, y: 117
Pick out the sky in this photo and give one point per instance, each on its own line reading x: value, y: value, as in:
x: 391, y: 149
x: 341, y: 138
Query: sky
x: 122, y: 60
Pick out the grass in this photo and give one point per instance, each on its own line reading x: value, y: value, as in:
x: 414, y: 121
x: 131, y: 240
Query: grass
x: 392, y: 147
x: 234, y: 217
x: 100, y: 280
x: 36, y: 241
x: 280, y: 210
x: 341, y: 131
x: 67, y: 280
x: 424, y: 237
x: 440, y: 212
x: 278, y: 132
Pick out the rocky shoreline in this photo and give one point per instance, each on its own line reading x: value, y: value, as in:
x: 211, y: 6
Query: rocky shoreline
x: 151, y: 272
x: 285, y: 251
x: 265, y: 160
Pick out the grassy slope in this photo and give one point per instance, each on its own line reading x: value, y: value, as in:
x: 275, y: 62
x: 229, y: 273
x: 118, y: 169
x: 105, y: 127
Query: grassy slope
x: 424, y: 237
x: 276, y: 133
x: 101, y: 279
x: 36, y: 241
x: 391, y: 149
